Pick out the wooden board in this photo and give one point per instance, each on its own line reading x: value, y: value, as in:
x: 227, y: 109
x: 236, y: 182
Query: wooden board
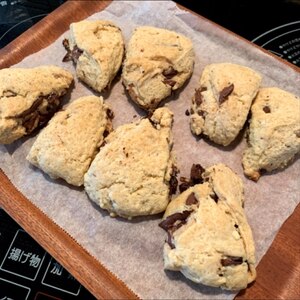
x: 278, y: 271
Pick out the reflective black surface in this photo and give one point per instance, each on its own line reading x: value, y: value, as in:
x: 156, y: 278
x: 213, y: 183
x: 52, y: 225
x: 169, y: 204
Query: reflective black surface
x: 28, y: 272
x: 271, y: 24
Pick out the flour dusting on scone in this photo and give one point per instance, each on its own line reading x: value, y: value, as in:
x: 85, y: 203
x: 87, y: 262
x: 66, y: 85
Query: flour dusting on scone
x: 97, y: 50
x: 29, y: 98
x: 135, y: 173
x: 209, y: 239
x: 71, y: 140
x: 222, y: 102
x: 274, y: 133
x: 158, y: 61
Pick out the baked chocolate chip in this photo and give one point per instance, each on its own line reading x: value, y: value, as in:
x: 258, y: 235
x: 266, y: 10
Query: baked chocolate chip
x: 73, y: 54
x: 297, y: 132
x: 187, y: 112
x: 110, y: 114
x: 105, y: 133
x: 198, y: 96
x: 169, y: 240
x: 196, y: 174
x: 173, y: 182
x: 231, y: 261
x: 184, y: 186
x: 170, y: 72
x: 191, y: 199
x: 223, y: 96
x: 33, y: 118
x: 267, y: 109
x: 201, y: 113
x: 172, y: 223
x: 170, y: 82
x: 76, y: 53
x: 31, y: 122
x: 169, y: 222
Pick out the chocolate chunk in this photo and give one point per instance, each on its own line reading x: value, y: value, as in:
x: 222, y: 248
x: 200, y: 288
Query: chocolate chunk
x: 170, y: 221
x: 170, y: 72
x: 191, y: 199
x: 73, y: 54
x: 32, y: 108
x: 184, y: 186
x: 225, y: 93
x: 201, y: 113
x: 187, y: 112
x: 33, y: 118
x: 68, y: 56
x: 105, y: 133
x: 76, y: 52
x: 196, y: 174
x: 173, y: 182
x: 31, y: 122
x: 297, y: 132
x: 231, y: 261
x: 66, y: 44
x: 110, y: 114
x: 267, y: 109
x: 198, y: 95
x: 170, y: 82
x: 169, y: 240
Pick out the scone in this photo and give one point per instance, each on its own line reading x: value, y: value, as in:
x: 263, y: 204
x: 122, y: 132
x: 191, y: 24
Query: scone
x: 134, y: 173
x: 29, y: 98
x: 209, y: 239
x: 69, y: 143
x: 158, y: 61
x: 222, y: 102
x: 97, y: 49
x: 274, y: 133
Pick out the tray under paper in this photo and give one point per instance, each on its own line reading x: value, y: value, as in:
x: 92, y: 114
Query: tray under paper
x: 133, y: 249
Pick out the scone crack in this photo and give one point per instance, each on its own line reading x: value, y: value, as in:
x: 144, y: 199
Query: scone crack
x: 8, y: 94
x: 38, y: 113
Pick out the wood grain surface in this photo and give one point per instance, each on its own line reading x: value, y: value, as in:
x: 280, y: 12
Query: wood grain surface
x: 278, y: 273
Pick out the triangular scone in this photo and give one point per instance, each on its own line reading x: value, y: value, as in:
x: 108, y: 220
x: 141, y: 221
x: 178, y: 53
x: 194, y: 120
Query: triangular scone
x: 29, y: 98
x: 274, y: 132
x: 158, y: 61
x: 222, y: 102
x: 134, y: 173
x: 209, y: 239
x: 97, y: 49
x: 69, y: 143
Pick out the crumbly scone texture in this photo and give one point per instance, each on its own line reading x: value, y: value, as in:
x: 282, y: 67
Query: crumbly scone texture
x: 28, y: 98
x: 210, y: 241
x: 274, y: 133
x: 222, y: 102
x: 158, y: 61
x: 131, y: 174
x: 102, y: 46
x: 71, y: 140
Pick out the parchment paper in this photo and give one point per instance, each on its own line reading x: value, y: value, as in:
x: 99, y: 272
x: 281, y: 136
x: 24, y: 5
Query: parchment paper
x: 133, y: 249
